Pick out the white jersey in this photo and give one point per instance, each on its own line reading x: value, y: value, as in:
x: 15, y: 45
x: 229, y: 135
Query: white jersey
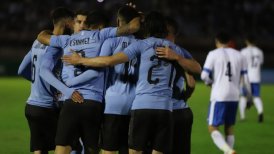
x: 254, y: 57
x: 223, y: 69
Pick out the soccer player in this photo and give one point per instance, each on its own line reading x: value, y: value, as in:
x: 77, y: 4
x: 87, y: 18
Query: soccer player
x: 79, y: 20
x: 223, y: 69
x: 51, y: 60
x: 121, y: 90
x: 151, y: 117
x: 183, y: 88
x: 40, y: 110
x: 85, y: 121
x: 255, y: 58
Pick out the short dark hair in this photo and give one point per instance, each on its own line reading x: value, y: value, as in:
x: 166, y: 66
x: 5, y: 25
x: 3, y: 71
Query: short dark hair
x: 96, y: 18
x: 127, y: 13
x: 223, y: 37
x: 173, y: 24
x: 155, y: 25
x: 81, y: 12
x: 251, y: 38
x: 61, y: 13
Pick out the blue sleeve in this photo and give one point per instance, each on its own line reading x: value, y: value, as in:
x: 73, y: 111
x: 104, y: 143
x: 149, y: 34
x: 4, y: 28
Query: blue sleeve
x: 106, y: 49
x: 133, y: 50
x: 59, y: 41
x: 25, y: 67
x: 82, y: 78
x: 108, y: 33
x: 47, y: 65
x: 186, y: 54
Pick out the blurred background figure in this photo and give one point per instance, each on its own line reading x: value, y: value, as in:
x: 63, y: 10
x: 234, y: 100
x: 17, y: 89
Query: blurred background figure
x: 255, y: 58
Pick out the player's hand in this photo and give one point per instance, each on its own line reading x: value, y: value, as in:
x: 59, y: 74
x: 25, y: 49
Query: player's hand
x: 77, y: 97
x: 249, y: 102
x: 73, y: 59
x: 167, y: 53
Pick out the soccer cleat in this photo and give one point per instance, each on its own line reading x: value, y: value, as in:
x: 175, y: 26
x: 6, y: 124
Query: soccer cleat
x: 230, y: 152
x: 260, y: 118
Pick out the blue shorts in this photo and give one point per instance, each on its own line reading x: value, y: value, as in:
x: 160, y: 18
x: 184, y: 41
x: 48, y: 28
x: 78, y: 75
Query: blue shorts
x: 255, y: 90
x: 220, y: 113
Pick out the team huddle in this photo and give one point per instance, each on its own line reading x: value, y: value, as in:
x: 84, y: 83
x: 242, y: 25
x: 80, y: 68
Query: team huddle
x: 125, y: 89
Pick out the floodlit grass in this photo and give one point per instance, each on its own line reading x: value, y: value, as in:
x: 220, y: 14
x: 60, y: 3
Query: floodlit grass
x: 251, y: 137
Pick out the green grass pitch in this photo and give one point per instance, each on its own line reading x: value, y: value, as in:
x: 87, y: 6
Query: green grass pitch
x: 251, y: 137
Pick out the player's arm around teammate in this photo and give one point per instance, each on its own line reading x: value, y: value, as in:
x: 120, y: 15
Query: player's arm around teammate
x: 189, y: 65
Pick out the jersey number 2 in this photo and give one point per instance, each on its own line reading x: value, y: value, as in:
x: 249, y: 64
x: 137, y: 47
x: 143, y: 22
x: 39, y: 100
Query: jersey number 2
x: 159, y: 63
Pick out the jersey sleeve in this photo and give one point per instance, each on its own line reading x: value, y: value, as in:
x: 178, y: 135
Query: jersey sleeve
x: 244, y: 75
x: 59, y: 41
x: 209, y: 63
x: 133, y: 50
x: 206, y: 74
x: 82, y: 78
x: 25, y: 67
x: 244, y: 65
x: 108, y: 33
x: 186, y: 54
x: 106, y: 49
x: 47, y: 65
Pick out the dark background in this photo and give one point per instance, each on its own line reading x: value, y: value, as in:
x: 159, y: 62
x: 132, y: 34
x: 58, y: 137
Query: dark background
x: 199, y: 20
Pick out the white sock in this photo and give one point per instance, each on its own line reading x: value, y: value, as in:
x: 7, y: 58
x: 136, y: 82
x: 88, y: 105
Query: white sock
x: 230, y: 139
x: 258, y: 104
x: 242, y: 106
x: 219, y: 141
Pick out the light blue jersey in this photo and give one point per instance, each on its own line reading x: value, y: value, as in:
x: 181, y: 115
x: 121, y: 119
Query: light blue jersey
x: 178, y: 88
x: 41, y: 92
x: 122, y: 78
x: 49, y: 64
x: 156, y: 76
x: 88, y: 44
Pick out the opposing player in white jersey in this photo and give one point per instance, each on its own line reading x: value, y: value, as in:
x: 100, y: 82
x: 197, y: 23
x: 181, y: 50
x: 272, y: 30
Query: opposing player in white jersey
x: 223, y: 69
x: 255, y: 58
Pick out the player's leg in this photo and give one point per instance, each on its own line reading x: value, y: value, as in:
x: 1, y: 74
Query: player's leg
x: 255, y: 87
x: 230, y: 119
x: 243, y: 103
x: 113, y: 133
x: 183, y: 119
x: 67, y: 129
x: 124, y: 127
x: 91, y: 119
x: 187, y: 123
x: 162, y: 131
x: 216, y: 117
x: 139, y: 131
x: 242, y: 107
x: 42, y: 123
x: 230, y: 138
x: 62, y: 149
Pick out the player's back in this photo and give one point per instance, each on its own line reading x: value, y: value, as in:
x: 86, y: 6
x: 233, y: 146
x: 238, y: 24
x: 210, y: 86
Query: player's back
x: 254, y: 58
x: 41, y: 92
x: 87, y: 44
x: 154, y: 86
x: 122, y: 78
x: 228, y: 64
x: 177, y: 95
